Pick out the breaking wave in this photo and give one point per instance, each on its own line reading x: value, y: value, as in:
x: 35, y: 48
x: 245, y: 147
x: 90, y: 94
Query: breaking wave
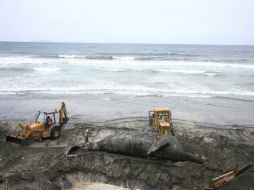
x: 46, y: 69
x: 139, y: 74
x: 171, y: 56
x: 14, y: 69
x: 98, y: 57
x: 102, y: 87
x: 174, y: 71
x: 69, y: 56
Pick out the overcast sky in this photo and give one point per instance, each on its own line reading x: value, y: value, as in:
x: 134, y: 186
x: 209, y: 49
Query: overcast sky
x: 130, y: 21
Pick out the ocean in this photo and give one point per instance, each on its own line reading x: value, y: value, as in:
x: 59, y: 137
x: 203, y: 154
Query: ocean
x: 131, y: 69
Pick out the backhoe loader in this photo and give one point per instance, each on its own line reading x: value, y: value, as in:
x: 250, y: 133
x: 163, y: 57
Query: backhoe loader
x: 161, y: 120
x: 46, y: 125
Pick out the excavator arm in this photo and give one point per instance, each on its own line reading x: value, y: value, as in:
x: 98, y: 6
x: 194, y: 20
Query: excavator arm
x: 63, y: 118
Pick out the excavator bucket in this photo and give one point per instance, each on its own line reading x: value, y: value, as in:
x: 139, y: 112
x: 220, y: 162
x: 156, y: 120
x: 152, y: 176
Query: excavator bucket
x: 13, y: 139
x: 63, y: 118
x: 16, y: 140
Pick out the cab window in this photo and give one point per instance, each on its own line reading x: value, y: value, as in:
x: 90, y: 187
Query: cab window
x: 41, y: 117
x: 164, y: 115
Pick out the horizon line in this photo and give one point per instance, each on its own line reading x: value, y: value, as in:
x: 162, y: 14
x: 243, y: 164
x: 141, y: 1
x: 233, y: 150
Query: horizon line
x: 141, y: 43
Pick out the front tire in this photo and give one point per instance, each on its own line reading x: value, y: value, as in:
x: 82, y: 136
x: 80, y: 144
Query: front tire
x: 38, y: 138
x: 55, y: 133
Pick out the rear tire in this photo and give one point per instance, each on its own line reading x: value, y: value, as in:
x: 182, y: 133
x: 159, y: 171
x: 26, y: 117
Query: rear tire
x: 37, y: 137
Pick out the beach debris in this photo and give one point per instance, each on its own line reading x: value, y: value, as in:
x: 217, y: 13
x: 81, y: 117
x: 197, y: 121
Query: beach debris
x: 161, y: 120
x: 227, y: 177
x: 46, y: 125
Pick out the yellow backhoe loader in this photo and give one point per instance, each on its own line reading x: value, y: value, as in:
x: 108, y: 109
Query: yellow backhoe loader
x: 45, y: 125
x: 161, y: 120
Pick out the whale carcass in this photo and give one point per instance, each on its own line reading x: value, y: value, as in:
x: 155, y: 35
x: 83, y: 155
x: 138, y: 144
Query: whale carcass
x: 140, y: 144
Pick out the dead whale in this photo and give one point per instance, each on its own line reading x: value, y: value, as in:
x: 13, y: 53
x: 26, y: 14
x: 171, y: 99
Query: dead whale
x: 140, y: 144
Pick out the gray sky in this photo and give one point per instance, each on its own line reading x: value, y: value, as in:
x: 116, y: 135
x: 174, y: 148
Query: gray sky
x: 138, y: 21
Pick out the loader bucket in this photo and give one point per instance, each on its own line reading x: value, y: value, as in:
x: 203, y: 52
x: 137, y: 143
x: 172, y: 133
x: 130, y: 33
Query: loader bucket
x: 16, y: 140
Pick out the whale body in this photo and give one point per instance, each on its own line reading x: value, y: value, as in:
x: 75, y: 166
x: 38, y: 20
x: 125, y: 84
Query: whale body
x: 140, y: 144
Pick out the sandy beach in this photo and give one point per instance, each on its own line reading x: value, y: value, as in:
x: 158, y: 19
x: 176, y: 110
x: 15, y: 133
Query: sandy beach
x: 221, y: 132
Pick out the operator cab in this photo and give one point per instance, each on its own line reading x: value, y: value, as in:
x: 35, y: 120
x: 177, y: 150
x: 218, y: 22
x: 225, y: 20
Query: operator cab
x: 49, y: 118
x: 161, y: 120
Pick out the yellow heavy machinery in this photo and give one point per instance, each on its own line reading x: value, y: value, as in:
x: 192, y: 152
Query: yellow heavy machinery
x: 45, y: 125
x: 161, y: 119
x: 217, y: 182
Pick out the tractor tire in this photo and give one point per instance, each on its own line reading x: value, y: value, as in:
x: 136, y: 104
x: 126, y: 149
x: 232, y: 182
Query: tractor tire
x: 39, y: 138
x: 55, y: 132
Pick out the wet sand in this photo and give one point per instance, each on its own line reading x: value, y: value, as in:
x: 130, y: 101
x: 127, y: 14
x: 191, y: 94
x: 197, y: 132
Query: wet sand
x: 101, y: 107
